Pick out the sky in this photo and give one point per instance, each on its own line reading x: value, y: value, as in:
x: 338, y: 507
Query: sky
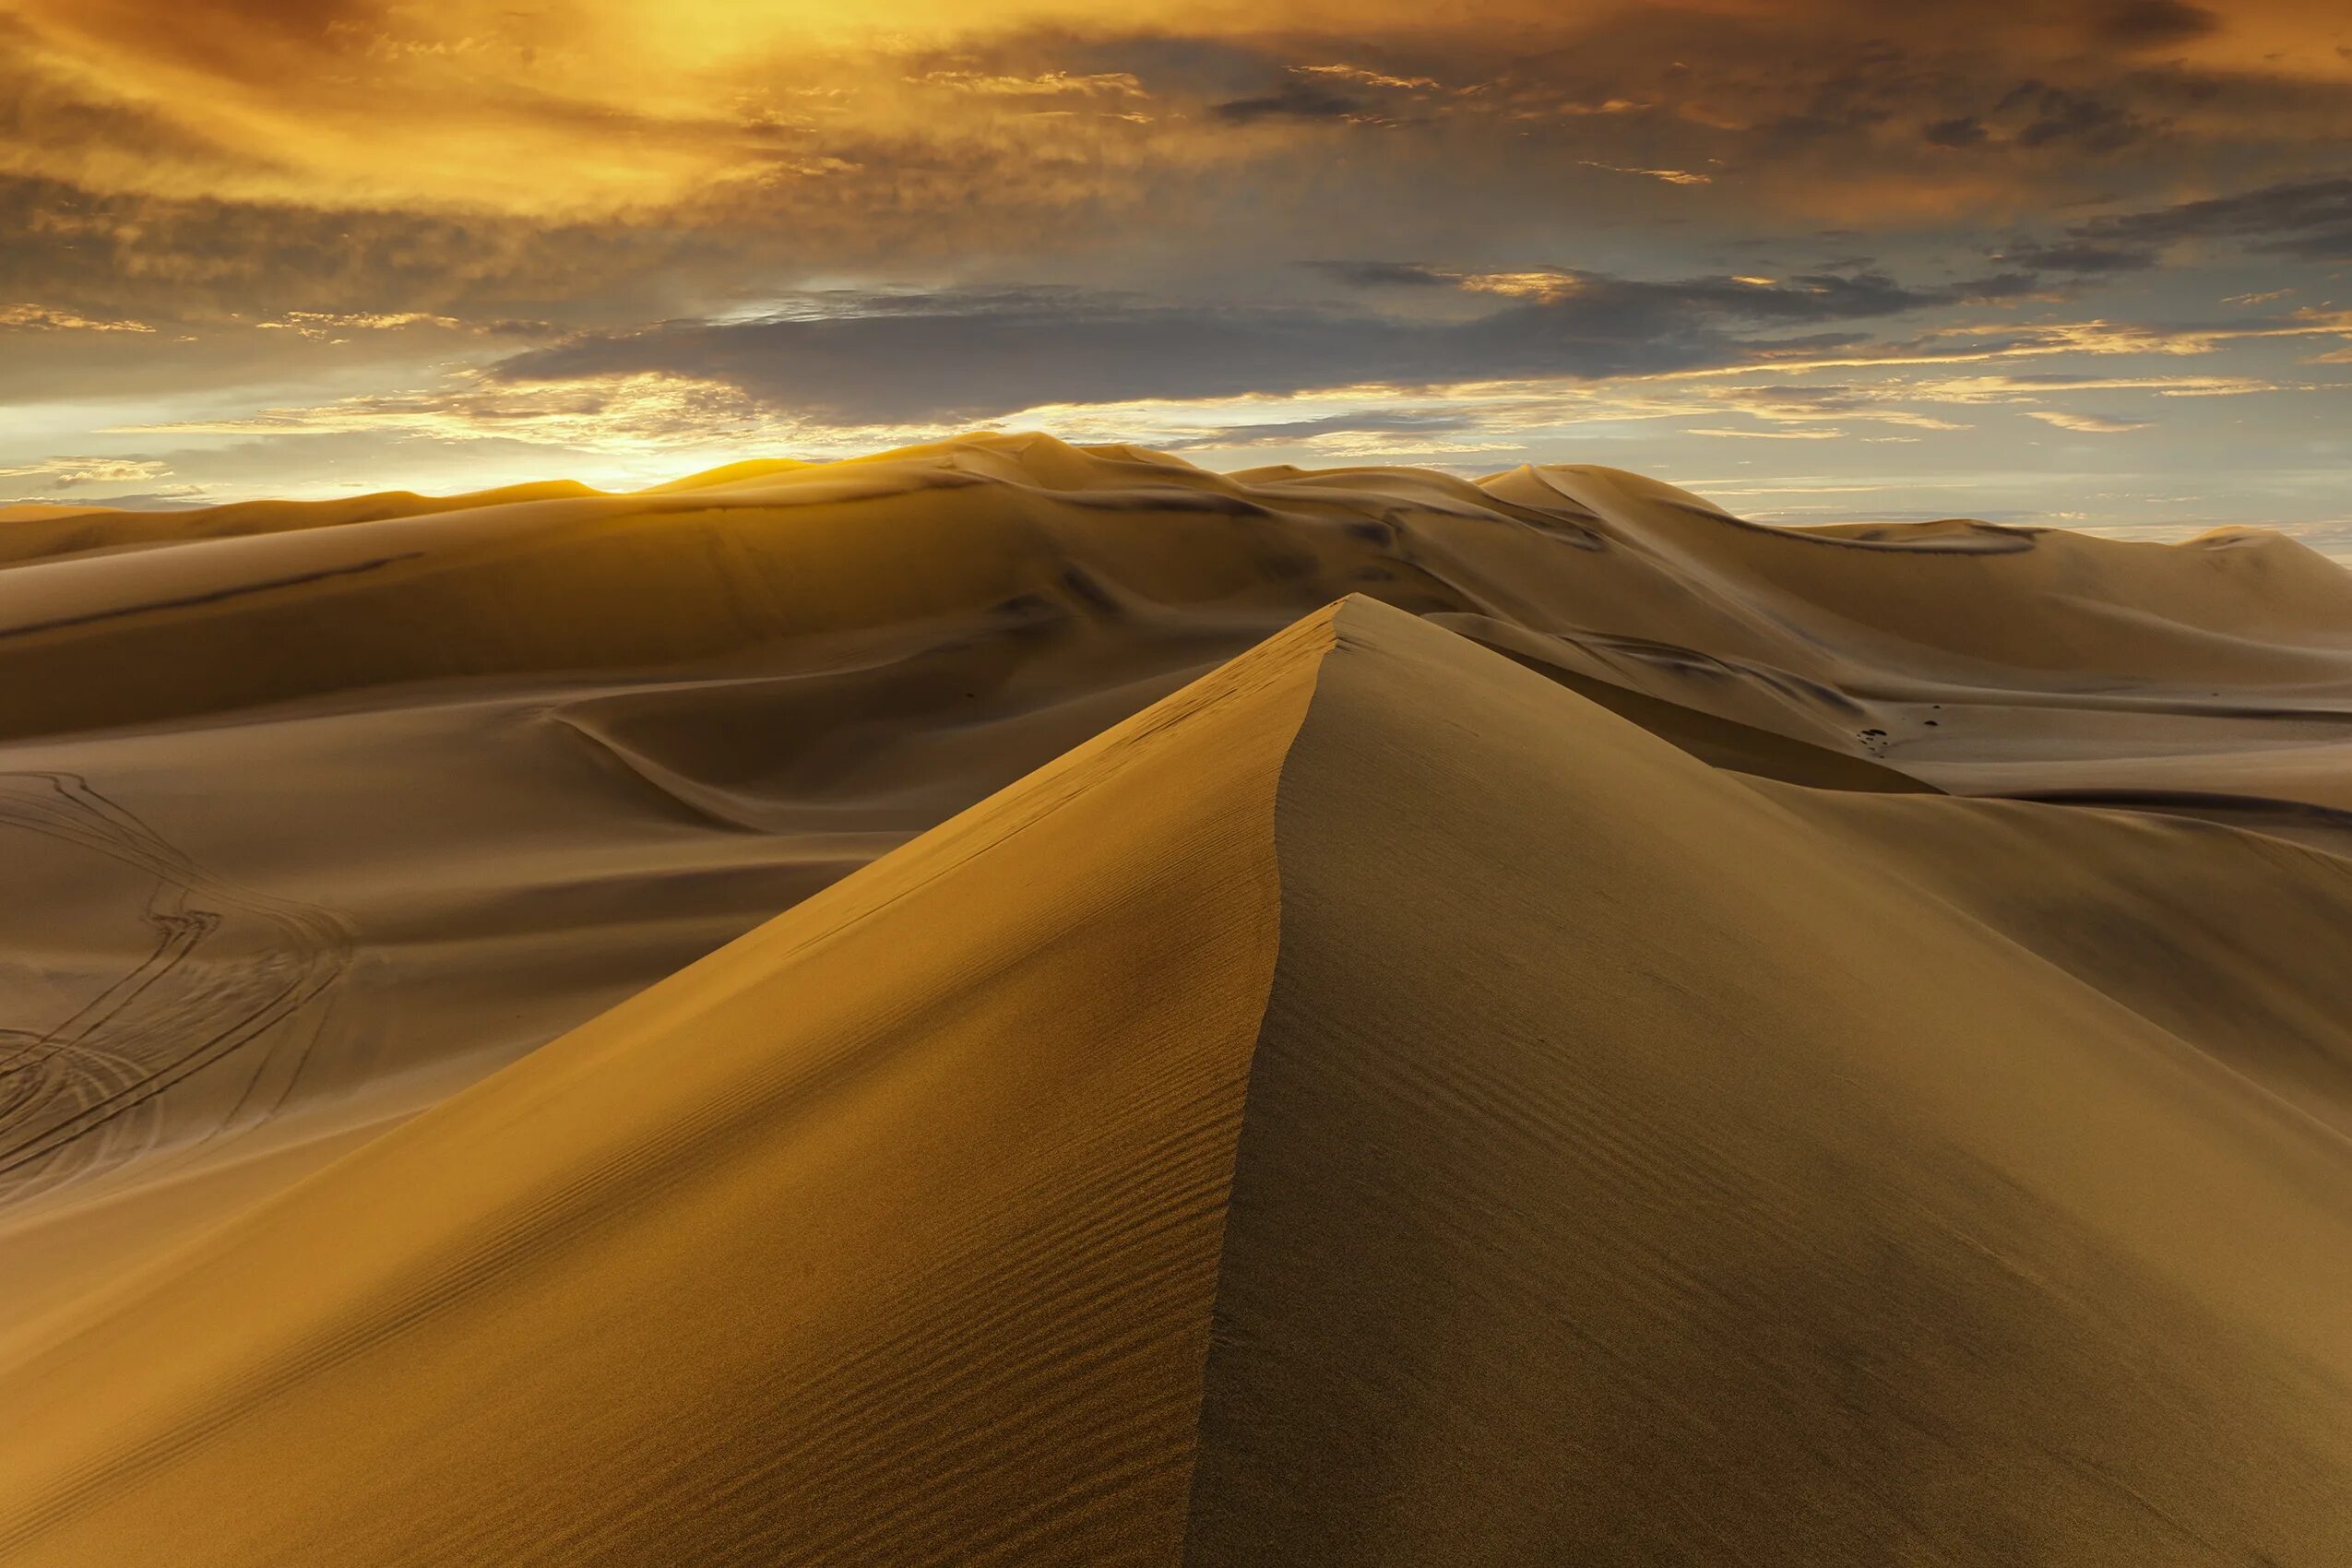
x: 2084, y: 262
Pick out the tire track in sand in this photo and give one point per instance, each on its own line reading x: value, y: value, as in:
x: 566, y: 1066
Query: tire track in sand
x: 232, y: 969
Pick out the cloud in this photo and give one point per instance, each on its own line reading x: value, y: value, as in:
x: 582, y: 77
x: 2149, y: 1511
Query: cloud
x: 1768, y: 434
x: 2089, y: 425
x: 1669, y: 177
x: 2152, y: 24
x: 43, y: 319
x: 2055, y: 116
x: 1548, y: 285
x: 117, y: 257
x: 1966, y: 343
x: 385, y: 157
x: 643, y: 412
x: 1298, y: 97
x: 2079, y: 256
x: 1387, y: 274
x: 1045, y: 84
x: 1418, y: 422
x: 2310, y: 219
x: 957, y: 357
x: 458, y: 108
x: 57, y: 474
x: 325, y: 325
x: 178, y: 499
x: 1367, y: 77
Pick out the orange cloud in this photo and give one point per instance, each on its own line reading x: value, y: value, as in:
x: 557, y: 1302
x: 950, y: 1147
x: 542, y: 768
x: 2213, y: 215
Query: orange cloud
x: 627, y: 107
x: 42, y: 318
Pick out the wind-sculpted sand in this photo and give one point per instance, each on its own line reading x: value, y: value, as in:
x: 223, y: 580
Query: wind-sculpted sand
x: 957, y: 1007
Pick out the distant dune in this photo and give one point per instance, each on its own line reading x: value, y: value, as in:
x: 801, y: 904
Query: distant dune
x: 1012, y: 1002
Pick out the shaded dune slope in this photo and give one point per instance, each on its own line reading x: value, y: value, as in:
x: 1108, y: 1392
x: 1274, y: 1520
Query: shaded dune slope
x: 1375, y: 1105
x: 1680, y: 1169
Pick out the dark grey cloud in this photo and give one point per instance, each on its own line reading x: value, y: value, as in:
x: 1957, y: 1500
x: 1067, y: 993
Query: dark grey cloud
x: 964, y: 357
x: 1169, y: 65
x: 2079, y: 256
x: 1965, y: 130
x: 2055, y: 116
x: 2307, y: 218
x: 2148, y: 23
x: 1386, y: 275
x: 1846, y: 290
x: 1298, y: 97
x: 1405, y: 421
x: 947, y: 358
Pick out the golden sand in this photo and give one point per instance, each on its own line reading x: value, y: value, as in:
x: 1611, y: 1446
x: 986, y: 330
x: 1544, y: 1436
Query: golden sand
x: 1577, y: 1051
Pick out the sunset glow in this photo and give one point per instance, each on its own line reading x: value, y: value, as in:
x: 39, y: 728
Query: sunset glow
x: 2089, y: 260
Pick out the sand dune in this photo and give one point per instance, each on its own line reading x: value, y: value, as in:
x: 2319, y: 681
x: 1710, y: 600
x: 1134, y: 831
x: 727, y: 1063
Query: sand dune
x: 1259, y: 1137
x: 1557, y: 1057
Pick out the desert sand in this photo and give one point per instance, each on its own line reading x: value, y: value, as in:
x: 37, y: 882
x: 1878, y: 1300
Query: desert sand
x: 1012, y: 1002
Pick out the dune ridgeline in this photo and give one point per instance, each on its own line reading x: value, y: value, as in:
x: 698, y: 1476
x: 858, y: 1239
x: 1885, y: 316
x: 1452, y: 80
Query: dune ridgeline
x: 1007, y: 1002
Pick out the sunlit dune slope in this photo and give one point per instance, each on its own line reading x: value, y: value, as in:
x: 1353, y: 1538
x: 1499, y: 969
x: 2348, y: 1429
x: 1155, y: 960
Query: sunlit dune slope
x: 1376, y: 1105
